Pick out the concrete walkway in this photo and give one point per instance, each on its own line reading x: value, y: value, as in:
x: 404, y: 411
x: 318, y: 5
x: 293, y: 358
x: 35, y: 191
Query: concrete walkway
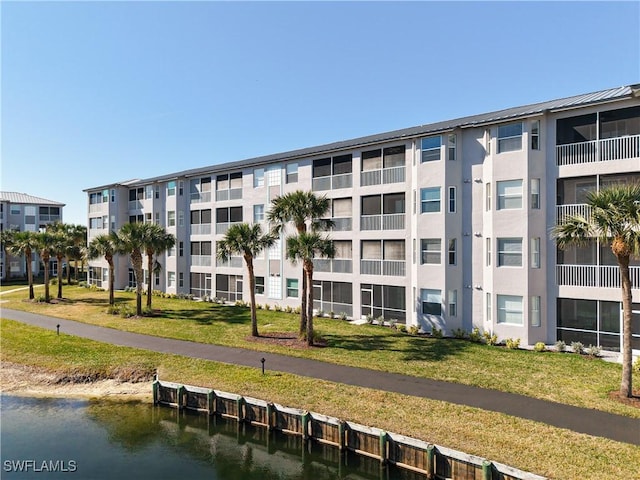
x: 592, y: 422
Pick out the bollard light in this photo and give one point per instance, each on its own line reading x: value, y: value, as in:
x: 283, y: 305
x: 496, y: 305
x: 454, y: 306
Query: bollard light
x: 262, y: 360
x: 58, y: 329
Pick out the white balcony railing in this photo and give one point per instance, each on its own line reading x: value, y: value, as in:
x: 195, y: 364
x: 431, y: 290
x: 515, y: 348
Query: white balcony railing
x: 201, y: 260
x: 135, y: 205
x: 341, y: 224
x: 233, y: 262
x: 95, y: 207
x: 335, y: 265
x: 385, y: 175
x: 618, y: 148
x: 201, y: 197
x: 387, y: 221
x: 597, y: 276
x: 223, y: 227
x: 395, y: 268
x: 201, y: 229
x: 231, y: 194
x: 570, y: 210
x: 332, y: 182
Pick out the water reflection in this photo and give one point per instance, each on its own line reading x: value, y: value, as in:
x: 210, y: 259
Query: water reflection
x: 133, y: 440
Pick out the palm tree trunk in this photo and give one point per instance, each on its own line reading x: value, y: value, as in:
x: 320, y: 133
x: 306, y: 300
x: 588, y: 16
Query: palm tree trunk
x: 111, y: 282
x: 149, y: 286
x: 59, y: 276
x: 626, y: 387
x: 45, y: 262
x: 252, y: 296
x: 75, y: 270
x: 309, y: 277
x: 303, y: 307
x: 7, y: 265
x: 28, y: 255
x: 136, y: 260
x: 68, y: 272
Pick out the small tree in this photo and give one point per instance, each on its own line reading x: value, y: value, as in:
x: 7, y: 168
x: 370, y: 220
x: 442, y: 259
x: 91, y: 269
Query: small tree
x: 248, y: 241
x: 45, y: 241
x: 24, y: 244
x: 105, y: 246
x: 7, y: 238
x: 131, y: 242
x: 156, y: 241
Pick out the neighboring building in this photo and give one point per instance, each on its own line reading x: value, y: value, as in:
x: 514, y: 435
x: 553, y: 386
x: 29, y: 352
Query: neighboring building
x: 25, y: 213
x: 443, y: 225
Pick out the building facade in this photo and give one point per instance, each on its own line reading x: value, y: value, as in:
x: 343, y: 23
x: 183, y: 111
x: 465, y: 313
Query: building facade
x: 20, y: 212
x: 443, y: 226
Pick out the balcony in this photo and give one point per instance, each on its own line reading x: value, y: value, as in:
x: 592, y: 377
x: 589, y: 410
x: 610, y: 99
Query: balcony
x: 332, y: 182
x: 202, y: 197
x: 201, y: 260
x: 233, y: 262
x: 95, y: 207
x: 618, y: 148
x: 385, y: 175
x: 563, y: 212
x: 334, y: 265
x: 394, y: 268
x: 231, y: 194
x: 387, y: 221
x: 200, y: 229
x: 135, y: 205
x: 221, y: 228
x: 341, y: 224
x: 597, y: 276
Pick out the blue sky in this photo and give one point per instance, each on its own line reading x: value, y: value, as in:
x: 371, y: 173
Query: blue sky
x: 99, y: 92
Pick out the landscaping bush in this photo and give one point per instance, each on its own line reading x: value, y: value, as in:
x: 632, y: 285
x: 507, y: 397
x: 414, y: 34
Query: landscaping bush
x: 475, y: 335
x: 593, y: 351
x: 490, y: 339
x: 540, y: 347
x: 436, y: 332
x: 577, y: 347
x: 460, y: 333
x: 560, y: 346
x: 512, y: 344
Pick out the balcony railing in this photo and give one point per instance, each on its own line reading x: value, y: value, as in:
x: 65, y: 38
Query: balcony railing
x: 395, y: 268
x: 231, y: 194
x: 597, y: 276
x: 233, y: 262
x: 201, y: 260
x: 95, y: 207
x: 618, y: 148
x: 332, y: 182
x: 201, y: 197
x: 200, y: 229
x: 335, y: 265
x: 223, y: 227
x: 45, y: 218
x: 135, y: 205
x: 565, y: 211
x: 385, y: 175
x: 387, y: 221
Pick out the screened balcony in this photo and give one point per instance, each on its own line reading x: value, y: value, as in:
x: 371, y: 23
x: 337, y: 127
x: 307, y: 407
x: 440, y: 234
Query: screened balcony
x: 383, y: 257
x: 383, y: 212
x: 383, y: 166
x: 332, y: 173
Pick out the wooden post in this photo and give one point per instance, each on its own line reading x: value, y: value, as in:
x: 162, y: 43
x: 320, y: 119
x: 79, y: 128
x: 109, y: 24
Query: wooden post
x: 180, y: 396
x: 156, y: 392
x: 306, y: 417
x: 383, y: 448
x: 240, y: 403
x: 431, y: 461
x: 269, y: 416
x: 342, y: 432
x: 487, y: 470
x: 211, y: 402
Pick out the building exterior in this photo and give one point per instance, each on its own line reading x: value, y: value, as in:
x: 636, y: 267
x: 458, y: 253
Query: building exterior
x: 25, y: 213
x: 443, y: 226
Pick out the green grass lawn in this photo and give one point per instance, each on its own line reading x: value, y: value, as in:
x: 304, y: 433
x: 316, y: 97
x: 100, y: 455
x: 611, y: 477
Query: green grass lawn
x: 530, y: 446
x: 565, y: 378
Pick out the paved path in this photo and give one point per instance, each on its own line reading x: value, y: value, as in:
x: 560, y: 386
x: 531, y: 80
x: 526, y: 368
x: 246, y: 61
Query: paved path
x: 592, y: 422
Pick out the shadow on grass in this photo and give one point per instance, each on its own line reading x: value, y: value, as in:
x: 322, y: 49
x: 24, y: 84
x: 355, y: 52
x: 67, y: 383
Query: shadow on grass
x: 209, y: 316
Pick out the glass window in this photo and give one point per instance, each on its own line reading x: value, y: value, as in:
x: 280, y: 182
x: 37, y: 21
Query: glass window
x: 292, y: 173
x: 341, y: 207
x: 371, y: 205
x: 489, y: 314
x: 451, y: 147
x: 171, y: 188
x: 258, y: 177
x: 322, y: 167
x: 510, y: 137
x: 453, y: 256
x: 171, y: 218
x: 431, y: 301
x: 430, y: 200
x: 259, y: 285
x: 180, y: 218
x: 181, y: 279
x: 258, y: 213
x: 222, y: 182
x: 430, y: 251
x: 535, y: 252
x: 292, y: 287
x: 487, y: 191
x: 371, y: 250
x: 535, y: 311
x: 510, y: 309
x: 235, y: 180
x: 181, y: 249
x: 452, y: 199
x: 509, y: 194
x: 535, y: 193
x: 509, y: 252
x: 394, y: 157
x: 171, y: 279
x: 343, y: 249
x: 535, y: 135
x: 371, y: 160
x: 453, y: 303
x: 393, y: 203
x: 394, y: 250
x: 430, y: 148
x: 235, y: 214
x: 342, y: 164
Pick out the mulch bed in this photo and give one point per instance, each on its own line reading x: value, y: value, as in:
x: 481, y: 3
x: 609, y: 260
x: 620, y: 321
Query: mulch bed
x: 285, y: 339
x: 633, y: 401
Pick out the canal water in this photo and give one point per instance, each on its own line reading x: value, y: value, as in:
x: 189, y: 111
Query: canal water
x: 65, y: 439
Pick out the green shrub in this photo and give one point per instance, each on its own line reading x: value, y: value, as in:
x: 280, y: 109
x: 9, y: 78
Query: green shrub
x: 475, y: 335
x: 490, y: 339
x: 53, y: 281
x: 41, y: 299
x: 540, y: 347
x: 401, y: 327
x: 380, y: 320
x: 126, y: 311
x: 297, y: 310
x: 436, y: 332
x: 343, y: 316
x: 320, y: 313
x: 636, y: 365
x: 414, y: 329
x: 460, y: 333
x: 512, y: 344
x: 288, y: 309
x: 277, y: 308
x: 147, y: 312
x: 113, y: 309
x: 577, y: 347
x: 560, y: 346
x: 369, y: 319
x: 593, y: 351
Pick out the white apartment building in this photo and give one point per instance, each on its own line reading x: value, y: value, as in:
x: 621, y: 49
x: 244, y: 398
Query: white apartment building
x: 443, y: 226
x: 25, y: 213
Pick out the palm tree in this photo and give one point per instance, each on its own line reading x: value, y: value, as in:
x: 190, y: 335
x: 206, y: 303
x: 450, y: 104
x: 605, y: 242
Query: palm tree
x: 78, y: 237
x: 248, y: 241
x: 156, y: 241
x: 131, y: 241
x: 306, y: 211
x: 24, y: 244
x: 59, y: 245
x: 7, y: 239
x: 44, y: 241
x: 305, y: 247
x: 105, y: 245
x: 614, y: 220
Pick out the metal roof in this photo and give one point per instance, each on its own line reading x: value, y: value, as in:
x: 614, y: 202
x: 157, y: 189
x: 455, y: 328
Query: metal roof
x: 15, y: 197
x: 603, y: 96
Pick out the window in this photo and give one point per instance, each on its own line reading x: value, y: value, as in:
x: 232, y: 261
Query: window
x: 510, y: 309
x: 180, y: 188
x: 157, y: 218
x: 171, y: 279
x: 487, y: 141
x: 430, y: 200
x: 181, y: 249
x: 258, y: 213
x: 171, y: 218
x: 510, y: 137
x: 509, y: 194
x: 172, y: 252
x: 147, y: 217
x: 430, y: 149
x: 181, y: 279
x: 113, y: 196
x: 157, y: 191
x: 509, y: 252
x: 535, y: 252
x: 393, y: 157
x: 489, y: 317
x: 229, y: 215
x: 292, y: 287
x: 321, y: 168
x: 487, y: 193
x: 200, y: 217
x: 258, y: 177
x: 535, y: 193
x: 259, y: 285
x: 535, y: 135
x: 431, y: 301
x: 488, y: 251
x: 333, y: 296
x: 535, y: 311
x: 453, y: 260
x: 371, y: 160
x: 430, y: 251
x: 451, y: 147
x: 171, y: 188
x: 292, y: 173
x: 105, y: 196
x: 452, y: 199
x: 453, y: 303
x: 180, y: 218
x: 148, y: 192
x: 383, y: 300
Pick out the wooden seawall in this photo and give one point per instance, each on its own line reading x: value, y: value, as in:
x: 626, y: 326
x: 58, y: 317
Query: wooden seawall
x: 433, y: 461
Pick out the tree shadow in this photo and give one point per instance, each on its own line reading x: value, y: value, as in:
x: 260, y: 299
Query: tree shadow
x: 209, y: 316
